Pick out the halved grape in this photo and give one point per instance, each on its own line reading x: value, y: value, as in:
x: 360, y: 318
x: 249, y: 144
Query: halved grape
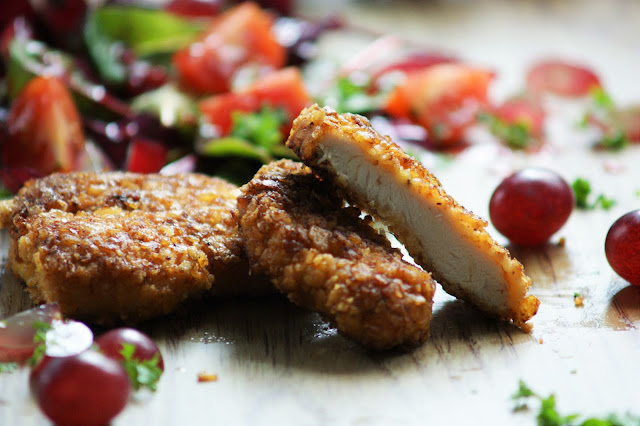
x: 622, y: 247
x: 84, y: 389
x: 17, y: 332
x: 531, y: 205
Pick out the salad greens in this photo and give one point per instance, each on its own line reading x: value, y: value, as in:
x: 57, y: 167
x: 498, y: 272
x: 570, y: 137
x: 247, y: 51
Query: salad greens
x: 110, y: 29
x: 582, y: 191
x: 548, y: 414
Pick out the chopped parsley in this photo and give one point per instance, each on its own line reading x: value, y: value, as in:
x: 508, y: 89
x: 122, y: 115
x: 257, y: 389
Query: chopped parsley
x: 8, y: 367
x: 515, y: 135
x: 548, y: 415
x: 582, y: 191
x: 5, y: 193
x: 353, y: 94
x: 614, y: 142
x: 261, y: 128
x: 601, y: 112
x: 144, y: 373
x: 601, y: 99
x: 40, y: 337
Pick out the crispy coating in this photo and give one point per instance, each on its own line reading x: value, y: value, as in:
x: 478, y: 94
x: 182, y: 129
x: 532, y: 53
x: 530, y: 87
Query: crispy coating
x: 111, y: 247
x: 326, y: 258
x: 442, y: 236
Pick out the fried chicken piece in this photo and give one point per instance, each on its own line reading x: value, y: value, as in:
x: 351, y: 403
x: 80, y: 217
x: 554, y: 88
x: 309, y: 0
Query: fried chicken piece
x: 111, y: 247
x: 326, y: 258
x: 441, y: 236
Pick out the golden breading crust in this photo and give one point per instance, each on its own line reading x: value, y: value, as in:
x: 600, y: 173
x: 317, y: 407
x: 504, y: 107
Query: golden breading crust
x: 326, y: 258
x: 121, y: 246
x: 442, y: 236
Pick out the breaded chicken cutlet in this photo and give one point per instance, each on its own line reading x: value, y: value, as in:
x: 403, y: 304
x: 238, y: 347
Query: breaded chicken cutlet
x: 442, y: 236
x: 111, y: 247
x: 326, y: 258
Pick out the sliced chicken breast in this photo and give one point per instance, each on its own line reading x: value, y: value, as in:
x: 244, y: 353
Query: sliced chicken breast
x: 441, y: 235
x: 326, y: 258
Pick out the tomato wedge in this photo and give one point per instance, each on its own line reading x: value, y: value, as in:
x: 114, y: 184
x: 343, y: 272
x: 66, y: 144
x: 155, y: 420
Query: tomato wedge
x: 240, y: 36
x: 561, y: 78
x: 443, y: 98
x: 146, y: 156
x: 282, y: 89
x: 525, y: 111
x: 44, y: 129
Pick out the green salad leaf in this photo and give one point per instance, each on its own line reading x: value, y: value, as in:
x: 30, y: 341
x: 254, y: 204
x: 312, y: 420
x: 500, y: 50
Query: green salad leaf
x: 109, y: 29
x: 515, y: 135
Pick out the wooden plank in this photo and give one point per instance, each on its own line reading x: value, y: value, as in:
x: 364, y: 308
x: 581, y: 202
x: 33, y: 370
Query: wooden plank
x: 278, y: 364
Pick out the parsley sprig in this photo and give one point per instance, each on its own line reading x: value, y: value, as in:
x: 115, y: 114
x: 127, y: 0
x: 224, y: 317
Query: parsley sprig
x: 8, y: 367
x: 548, y: 415
x: 354, y: 94
x: 602, y: 111
x: 582, y: 190
x: 253, y: 135
x: 5, y: 193
x: 142, y: 373
x: 262, y: 127
x: 40, y: 338
x: 515, y: 135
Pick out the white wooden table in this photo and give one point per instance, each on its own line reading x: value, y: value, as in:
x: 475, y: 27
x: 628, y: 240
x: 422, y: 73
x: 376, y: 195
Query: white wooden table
x: 278, y: 364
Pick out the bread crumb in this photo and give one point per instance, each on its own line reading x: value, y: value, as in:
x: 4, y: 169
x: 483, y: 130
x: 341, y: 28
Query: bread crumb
x: 205, y: 376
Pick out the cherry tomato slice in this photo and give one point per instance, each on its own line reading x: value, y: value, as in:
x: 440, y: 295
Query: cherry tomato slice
x: 281, y: 89
x: 146, y: 156
x: 561, y: 78
x: 522, y: 110
x: 239, y: 36
x: 443, y: 98
x: 44, y: 129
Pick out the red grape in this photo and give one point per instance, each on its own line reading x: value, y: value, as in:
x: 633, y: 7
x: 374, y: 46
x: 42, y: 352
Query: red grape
x: 531, y: 205
x: 84, y: 389
x: 622, y: 247
x: 17, y: 332
x: 111, y: 342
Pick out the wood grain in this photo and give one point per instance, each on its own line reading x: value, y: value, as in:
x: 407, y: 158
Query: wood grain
x: 278, y: 364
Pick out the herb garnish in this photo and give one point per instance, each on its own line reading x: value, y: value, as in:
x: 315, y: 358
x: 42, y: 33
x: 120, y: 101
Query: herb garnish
x: 353, y: 94
x: 614, y: 142
x: 515, y: 135
x: 40, y: 337
x: 141, y: 373
x: 602, y: 112
x: 8, y: 367
x: 262, y: 127
x: 582, y: 190
x: 5, y: 193
x: 548, y: 414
